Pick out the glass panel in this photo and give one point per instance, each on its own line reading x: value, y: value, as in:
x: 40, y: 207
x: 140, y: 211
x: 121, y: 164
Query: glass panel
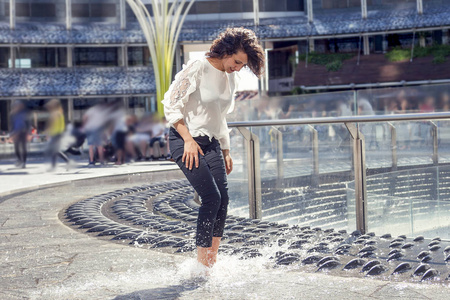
x: 103, y: 10
x: 238, y: 179
x: 104, y: 56
x: 139, y: 106
x: 62, y: 57
x: 290, y: 194
x: 43, y: 10
x: 138, y: 56
x: 413, y: 202
x: 412, y: 99
x: 230, y: 6
x: 39, y: 57
x: 4, y: 57
x: 207, y: 7
x: 378, y: 141
x: 338, y: 104
x: 80, y: 10
x: 443, y: 140
x: 415, y: 143
x: 273, y: 5
x: 22, y: 9
x: 335, y: 148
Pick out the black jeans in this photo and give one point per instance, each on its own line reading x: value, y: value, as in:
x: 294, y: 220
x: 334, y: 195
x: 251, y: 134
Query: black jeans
x: 210, y: 182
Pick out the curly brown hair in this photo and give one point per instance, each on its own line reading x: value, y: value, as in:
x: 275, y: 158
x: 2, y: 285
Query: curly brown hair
x: 237, y: 39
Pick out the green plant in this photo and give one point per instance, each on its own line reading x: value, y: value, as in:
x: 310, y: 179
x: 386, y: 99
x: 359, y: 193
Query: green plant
x: 332, y: 61
x: 421, y: 51
x: 334, y: 66
x: 398, y: 54
x: 439, y: 59
x: 438, y: 51
x: 161, y: 32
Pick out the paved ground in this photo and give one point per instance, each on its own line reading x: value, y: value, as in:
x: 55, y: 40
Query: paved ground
x: 41, y: 258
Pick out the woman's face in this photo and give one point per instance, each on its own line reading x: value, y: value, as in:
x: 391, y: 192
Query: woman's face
x: 234, y: 62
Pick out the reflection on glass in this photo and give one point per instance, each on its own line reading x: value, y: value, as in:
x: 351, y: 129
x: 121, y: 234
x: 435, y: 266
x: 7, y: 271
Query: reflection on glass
x: 413, y: 202
x: 238, y: 178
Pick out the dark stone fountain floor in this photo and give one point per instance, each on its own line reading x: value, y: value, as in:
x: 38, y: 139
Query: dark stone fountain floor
x: 163, y: 216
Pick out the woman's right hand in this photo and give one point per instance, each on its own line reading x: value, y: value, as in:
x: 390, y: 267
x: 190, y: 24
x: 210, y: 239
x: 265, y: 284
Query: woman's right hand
x: 190, y: 154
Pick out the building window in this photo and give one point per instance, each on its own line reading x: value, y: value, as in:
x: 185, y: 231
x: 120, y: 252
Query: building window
x: 80, y: 10
x: 138, y: 56
x: 231, y: 6
x: 36, y: 10
x: 61, y: 57
x: 101, y: 56
x: 272, y: 5
x: 93, y: 10
x: 36, y: 58
x: 327, y: 4
x: 207, y: 7
x: 20, y: 63
x: 43, y: 10
x: 239, y: 6
x: 103, y: 10
x: 22, y: 10
x: 4, y: 57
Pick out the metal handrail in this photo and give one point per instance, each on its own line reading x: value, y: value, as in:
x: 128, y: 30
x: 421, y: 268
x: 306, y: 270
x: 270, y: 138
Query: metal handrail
x: 335, y: 120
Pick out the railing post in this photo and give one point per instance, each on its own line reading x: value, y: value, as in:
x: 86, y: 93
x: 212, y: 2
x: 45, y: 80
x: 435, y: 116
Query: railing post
x: 254, y: 174
x: 393, y: 146
x: 280, y: 163
x: 359, y: 163
x: 315, y: 154
x: 434, y: 134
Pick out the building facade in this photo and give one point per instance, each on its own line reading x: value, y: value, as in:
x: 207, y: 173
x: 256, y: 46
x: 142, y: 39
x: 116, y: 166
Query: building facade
x: 89, y: 51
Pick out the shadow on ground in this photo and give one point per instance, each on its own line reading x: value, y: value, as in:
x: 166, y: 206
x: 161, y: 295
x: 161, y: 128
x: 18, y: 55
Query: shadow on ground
x: 167, y: 293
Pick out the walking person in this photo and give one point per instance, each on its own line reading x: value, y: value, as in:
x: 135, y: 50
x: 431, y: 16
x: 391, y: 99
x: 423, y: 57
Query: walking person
x: 195, y: 106
x: 19, y: 132
x: 55, y: 130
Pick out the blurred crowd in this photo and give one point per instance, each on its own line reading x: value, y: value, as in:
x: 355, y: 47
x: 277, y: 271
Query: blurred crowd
x: 395, y: 101
x: 107, y: 132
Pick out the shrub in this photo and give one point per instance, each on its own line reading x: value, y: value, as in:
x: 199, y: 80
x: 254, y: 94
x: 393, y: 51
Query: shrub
x: 332, y: 61
x: 398, y: 54
x: 438, y: 51
x: 439, y: 59
x: 334, y: 66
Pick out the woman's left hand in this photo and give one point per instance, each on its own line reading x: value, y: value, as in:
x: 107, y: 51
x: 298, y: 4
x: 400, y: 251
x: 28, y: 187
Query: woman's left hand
x: 228, y: 161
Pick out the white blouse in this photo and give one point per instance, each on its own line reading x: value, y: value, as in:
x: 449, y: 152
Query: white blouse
x: 201, y: 95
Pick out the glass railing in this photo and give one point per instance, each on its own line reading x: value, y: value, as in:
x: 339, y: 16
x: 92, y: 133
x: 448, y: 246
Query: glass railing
x: 311, y: 172
x: 412, y: 202
x: 379, y: 101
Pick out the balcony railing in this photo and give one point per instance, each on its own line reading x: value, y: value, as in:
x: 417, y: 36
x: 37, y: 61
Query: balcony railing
x: 309, y: 179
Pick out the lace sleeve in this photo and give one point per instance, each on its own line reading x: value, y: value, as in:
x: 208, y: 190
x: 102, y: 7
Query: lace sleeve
x: 181, y: 86
x: 185, y: 83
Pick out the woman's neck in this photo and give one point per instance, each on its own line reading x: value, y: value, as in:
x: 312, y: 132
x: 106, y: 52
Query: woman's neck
x: 216, y: 63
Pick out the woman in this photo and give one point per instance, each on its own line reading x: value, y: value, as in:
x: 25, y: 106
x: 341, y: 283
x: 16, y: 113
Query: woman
x: 195, y: 107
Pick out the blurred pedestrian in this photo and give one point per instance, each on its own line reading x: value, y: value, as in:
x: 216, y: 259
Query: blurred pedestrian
x: 94, y: 124
x: 55, y: 130
x: 141, y: 136
x: 19, y: 132
x: 119, y: 132
x: 158, y: 129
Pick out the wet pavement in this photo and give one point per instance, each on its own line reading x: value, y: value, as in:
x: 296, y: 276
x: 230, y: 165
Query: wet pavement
x: 43, y: 258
